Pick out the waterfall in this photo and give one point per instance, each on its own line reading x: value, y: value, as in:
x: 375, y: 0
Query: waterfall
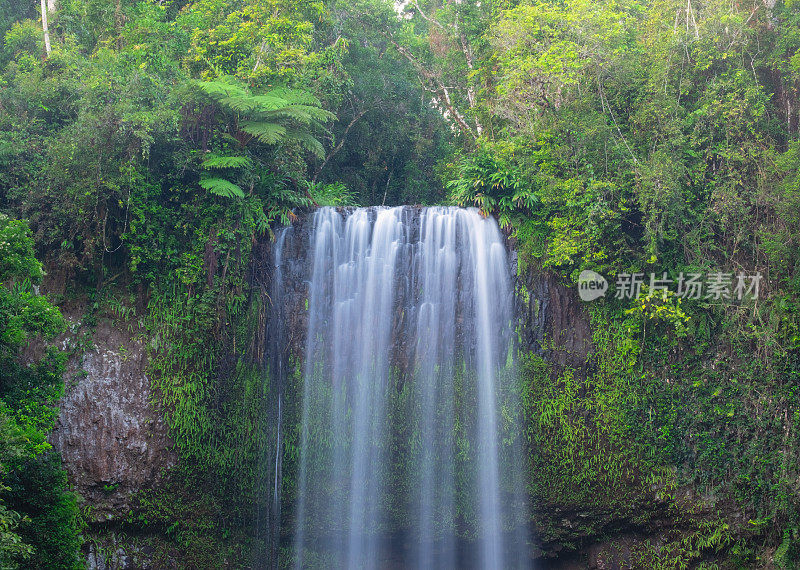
x: 407, y: 441
x: 278, y: 376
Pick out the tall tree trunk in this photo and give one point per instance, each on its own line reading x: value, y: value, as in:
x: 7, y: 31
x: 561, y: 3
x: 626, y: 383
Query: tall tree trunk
x: 467, y: 50
x: 45, y: 28
x: 339, y: 145
x: 51, y: 6
x: 118, y: 23
x: 432, y: 82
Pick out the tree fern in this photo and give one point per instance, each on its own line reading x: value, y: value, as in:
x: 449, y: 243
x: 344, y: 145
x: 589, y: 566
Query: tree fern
x: 296, y: 96
x: 266, y: 132
x: 279, y: 114
x: 215, y: 161
x: 308, y: 142
x: 222, y: 187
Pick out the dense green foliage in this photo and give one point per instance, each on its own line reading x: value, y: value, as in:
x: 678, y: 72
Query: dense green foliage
x: 38, y: 514
x: 158, y: 142
x: 658, y: 137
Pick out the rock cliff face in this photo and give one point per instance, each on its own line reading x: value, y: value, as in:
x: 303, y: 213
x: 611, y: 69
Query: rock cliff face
x: 554, y: 322
x: 112, y: 441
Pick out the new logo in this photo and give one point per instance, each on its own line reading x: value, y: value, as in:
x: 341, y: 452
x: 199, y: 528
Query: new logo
x: 591, y: 285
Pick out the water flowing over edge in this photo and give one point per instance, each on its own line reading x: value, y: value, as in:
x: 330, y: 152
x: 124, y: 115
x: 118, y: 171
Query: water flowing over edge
x: 409, y: 417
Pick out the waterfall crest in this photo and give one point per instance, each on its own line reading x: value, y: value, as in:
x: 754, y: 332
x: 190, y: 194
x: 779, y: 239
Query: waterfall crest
x: 407, y: 435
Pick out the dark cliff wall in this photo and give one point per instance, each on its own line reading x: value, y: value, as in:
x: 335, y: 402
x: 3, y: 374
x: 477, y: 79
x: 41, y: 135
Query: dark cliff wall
x: 112, y: 440
x: 554, y: 322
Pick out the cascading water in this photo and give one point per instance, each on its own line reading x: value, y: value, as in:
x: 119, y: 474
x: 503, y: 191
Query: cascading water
x: 408, y: 428
x: 278, y: 376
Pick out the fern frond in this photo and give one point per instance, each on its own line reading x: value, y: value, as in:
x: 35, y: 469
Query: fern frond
x: 227, y: 162
x: 295, y: 96
x: 308, y: 142
x: 269, y: 102
x: 265, y: 116
x: 305, y: 114
x: 240, y: 105
x: 221, y: 89
x: 222, y: 187
x: 268, y: 133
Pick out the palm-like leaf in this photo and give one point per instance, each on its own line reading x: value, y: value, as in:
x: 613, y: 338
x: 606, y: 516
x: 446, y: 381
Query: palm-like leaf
x: 222, y: 187
x: 280, y: 114
x: 303, y: 114
x: 224, y: 88
x: 272, y: 116
x: 307, y: 141
x: 214, y: 161
x: 266, y: 132
x: 268, y: 102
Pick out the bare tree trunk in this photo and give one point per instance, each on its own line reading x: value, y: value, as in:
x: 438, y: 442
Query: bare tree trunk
x: 467, y: 50
x: 51, y: 6
x: 45, y: 28
x: 118, y: 23
x: 690, y: 15
x: 434, y: 84
x: 388, y: 181
x: 339, y: 145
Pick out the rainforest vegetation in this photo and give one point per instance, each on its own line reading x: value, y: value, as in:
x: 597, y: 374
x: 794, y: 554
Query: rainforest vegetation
x: 147, y: 147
